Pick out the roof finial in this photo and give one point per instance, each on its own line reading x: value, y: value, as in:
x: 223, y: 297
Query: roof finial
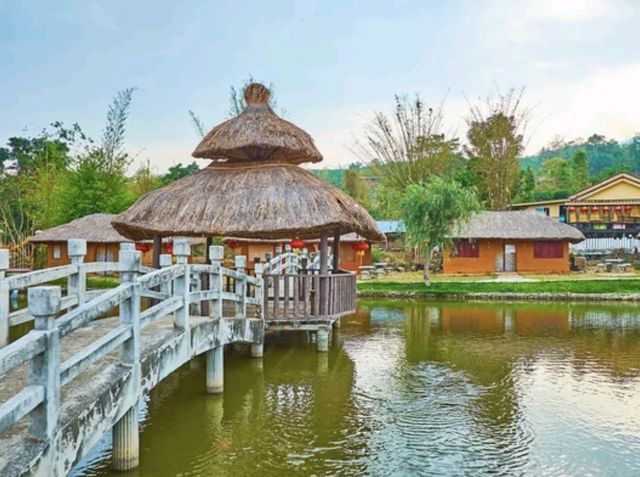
x: 256, y: 93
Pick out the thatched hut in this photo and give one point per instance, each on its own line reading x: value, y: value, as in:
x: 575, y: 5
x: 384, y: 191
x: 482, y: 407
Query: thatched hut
x: 514, y: 241
x: 103, y: 241
x: 253, y: 188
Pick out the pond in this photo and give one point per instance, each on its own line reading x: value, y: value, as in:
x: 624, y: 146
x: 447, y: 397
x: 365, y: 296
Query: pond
x: 412, y: 388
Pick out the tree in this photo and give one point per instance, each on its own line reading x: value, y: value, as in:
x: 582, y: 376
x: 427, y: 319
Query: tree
x: 579, y: 171
x: 430, y: 211
x: 408, y: 146
x: 354, y: 184
x: 495, y: 136
x: 178, y: 171
x: 526, y: 186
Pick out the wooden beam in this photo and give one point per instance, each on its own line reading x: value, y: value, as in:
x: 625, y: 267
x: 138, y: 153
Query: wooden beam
x: 336, y: 250
x: 157, y: 250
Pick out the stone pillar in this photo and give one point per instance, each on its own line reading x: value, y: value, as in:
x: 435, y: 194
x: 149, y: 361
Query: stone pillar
x: 4, y: 298
x: 215, y: 370
x: 322, y: 338
x: 182, y: 250
x: 44, y: 368
x: 257, y: 350
x: 125, y: 433
x: 126, y: 444
x: 77, y: 249
x: 241, y: 285
x: 166, y: 260
x: 216, y: 254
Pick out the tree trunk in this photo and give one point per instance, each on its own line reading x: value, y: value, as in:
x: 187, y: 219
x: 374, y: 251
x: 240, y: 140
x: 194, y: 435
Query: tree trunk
x: 427, y: 262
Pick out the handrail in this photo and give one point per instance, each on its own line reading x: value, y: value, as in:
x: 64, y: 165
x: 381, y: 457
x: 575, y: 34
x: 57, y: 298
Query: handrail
x: 40, y: 276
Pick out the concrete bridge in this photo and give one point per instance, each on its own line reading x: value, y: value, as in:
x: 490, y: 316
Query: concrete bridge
x: 80, y: 373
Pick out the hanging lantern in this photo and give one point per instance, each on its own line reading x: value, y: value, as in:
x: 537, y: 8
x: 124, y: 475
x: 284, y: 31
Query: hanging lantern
x: 627, y: 208
x: 170, y: 248
x: 584, y: 209
x: 595, y: 209
x: 606, y: 208
x: 297, y: 243
x: 618, y: 209
x: 572, y: 209
x: 232, y: 244
x: 143, y: 247
x: 360, y: 247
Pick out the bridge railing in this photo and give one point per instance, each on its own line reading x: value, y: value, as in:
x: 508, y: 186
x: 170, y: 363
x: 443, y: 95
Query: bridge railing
x: 75, y: 273
x: 173, y: 294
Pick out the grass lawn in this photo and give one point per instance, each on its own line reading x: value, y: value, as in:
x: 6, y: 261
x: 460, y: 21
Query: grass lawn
x: 614, y: 285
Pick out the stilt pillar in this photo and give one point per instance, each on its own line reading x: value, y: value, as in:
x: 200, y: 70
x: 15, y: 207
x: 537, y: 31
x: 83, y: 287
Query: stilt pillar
x: 257, y: 350
x: 126, y: 441
x: 322, y: 340
x: 215, y: 370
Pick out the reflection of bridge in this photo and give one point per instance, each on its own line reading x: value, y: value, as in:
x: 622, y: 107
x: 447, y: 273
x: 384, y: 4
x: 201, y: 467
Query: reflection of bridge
x: 75, y: 376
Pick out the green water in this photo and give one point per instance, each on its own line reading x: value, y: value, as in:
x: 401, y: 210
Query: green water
x: 412, y: 389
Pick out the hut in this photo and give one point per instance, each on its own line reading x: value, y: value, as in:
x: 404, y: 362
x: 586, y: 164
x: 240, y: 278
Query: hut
x: 254, y: 188
x: 513, y: 241
x: 354, y: 250
x: 103, y: 241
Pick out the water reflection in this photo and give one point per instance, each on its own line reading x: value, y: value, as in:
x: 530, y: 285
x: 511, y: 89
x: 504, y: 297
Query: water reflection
x: 414, y: 388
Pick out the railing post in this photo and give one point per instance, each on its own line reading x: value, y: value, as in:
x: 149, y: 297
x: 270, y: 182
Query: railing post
x: 166, y: 261
x: 44, y: 369
x: 241, y: 287
x: 4, y: 298
x: 257, y: 349
x: 216, y: 254
x: 182, y: 250
x: 77, y: 249
x: 126, y: 445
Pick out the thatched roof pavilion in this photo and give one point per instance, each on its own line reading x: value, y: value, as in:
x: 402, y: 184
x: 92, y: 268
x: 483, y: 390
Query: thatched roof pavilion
x: 253, y: 188
x: 95, y: 228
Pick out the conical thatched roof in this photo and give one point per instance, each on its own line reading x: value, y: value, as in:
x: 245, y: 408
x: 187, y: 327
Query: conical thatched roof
x: 516, y: 225
x: 275, y: 201
x: 258, y: 134
x: 94, y: 228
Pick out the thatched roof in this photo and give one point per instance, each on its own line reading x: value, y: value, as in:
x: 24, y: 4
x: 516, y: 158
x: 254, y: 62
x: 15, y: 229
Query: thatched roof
x: 276, y: 201
x: 516, y: 225
x: 258, y: 134
x: 94, y: 228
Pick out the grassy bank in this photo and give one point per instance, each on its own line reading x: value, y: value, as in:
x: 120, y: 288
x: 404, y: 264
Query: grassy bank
x: 612, y: 286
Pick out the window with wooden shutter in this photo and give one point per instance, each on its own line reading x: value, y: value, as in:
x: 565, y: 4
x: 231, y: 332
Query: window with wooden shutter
x: 467, y: 249
x: 548, y: 249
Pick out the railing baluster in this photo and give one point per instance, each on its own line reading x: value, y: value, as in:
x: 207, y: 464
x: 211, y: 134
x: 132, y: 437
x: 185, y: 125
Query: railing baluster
x: 182, y: 250
x: 216, y: 254
x: 44, y: 369
x: 241, y: 287
x: 77, y: 249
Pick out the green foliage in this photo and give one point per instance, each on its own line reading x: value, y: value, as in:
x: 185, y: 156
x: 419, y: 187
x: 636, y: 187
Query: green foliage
x: 431, y: 210
x: 179, y: 171
x: 355, y: 185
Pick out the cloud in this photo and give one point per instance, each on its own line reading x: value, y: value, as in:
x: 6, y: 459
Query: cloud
x: 572, y: 11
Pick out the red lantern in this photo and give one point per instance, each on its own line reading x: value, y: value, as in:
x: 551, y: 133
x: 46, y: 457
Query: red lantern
x: 170, y: 248
x: 360, y: 246
x: 618, y: 208
x: 232, y: 244
x: 297, y: 243
x: 627, y: 208
x: 584, y: 209
x: 572, y: 209
x: 595, y: 210
x: 143, y: 247
x: 606, y: 208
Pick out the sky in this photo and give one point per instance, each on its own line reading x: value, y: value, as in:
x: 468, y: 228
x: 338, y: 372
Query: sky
x: 332, y: 64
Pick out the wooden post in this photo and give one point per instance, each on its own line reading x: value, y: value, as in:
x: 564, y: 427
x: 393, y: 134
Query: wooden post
x: 157, y: 250
x: 241, y: 287
x: 4, y: 298
x: 336, y: 251
x: 77, y: 249
x: 44, y: 369
x: 182, y: 250
x: 125, y: 433
x: 216, y: 254
x: 324, y: 270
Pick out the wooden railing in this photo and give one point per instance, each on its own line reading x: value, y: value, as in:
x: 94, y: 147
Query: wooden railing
x: 40, y: 348
x: 307, y: 295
